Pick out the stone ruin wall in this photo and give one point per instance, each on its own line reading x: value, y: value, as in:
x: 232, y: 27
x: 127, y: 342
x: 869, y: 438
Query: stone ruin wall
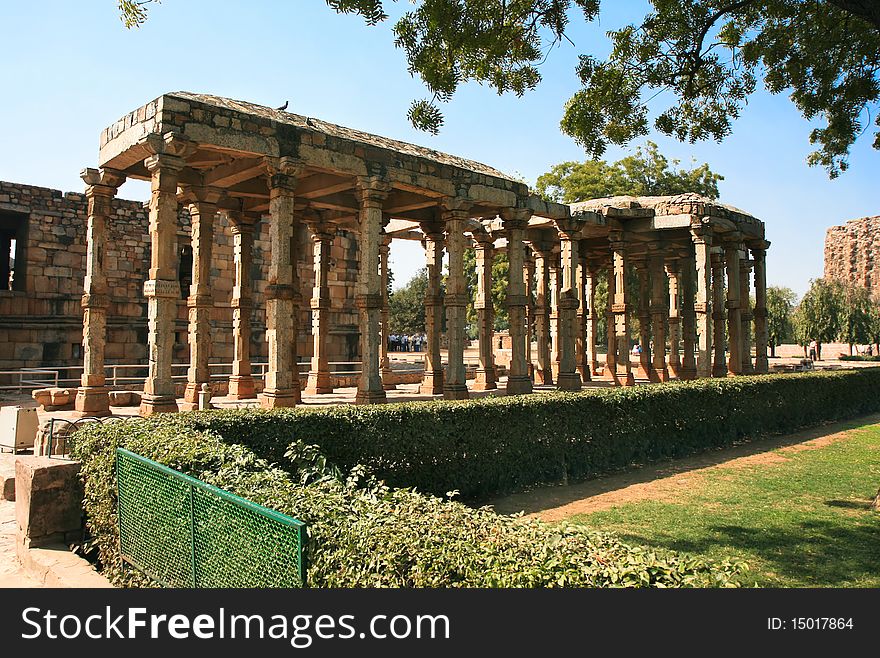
x: 852, y: 253
x: 42, y: 325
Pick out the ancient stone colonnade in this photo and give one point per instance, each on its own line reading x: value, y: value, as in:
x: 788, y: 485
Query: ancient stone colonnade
x: 249, y: 162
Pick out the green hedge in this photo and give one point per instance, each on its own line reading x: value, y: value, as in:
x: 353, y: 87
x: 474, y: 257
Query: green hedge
x: 363, y: 534
x: 490, y: 446
x: 860, y: 357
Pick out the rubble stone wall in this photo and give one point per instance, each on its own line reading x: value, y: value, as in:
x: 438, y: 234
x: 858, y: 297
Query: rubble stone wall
x: 852, y: 253
x: 41, y: 322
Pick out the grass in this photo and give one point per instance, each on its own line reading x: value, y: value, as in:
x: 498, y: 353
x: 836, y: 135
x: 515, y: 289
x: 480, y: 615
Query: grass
x: 801, y: 519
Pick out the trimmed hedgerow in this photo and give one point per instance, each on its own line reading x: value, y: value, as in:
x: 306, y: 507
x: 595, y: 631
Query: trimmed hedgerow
x: 368, y: 534
x: 364, y: 534
x: 490, y: 446
x: 861, y: 357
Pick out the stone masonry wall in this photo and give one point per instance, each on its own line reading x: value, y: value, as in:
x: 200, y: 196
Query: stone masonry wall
x: 41, y: 324
x: 852, y: 253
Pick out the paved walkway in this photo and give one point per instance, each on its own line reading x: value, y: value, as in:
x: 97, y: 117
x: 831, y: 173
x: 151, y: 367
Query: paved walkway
x: 11, y: 573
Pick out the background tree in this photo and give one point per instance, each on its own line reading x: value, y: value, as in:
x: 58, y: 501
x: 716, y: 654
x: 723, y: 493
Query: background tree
x: 702, y: 58
x: 856, y: 316
x: 818, y: 316
x: 780, y: 308
x: 406, y: 307
x: 646, y: 173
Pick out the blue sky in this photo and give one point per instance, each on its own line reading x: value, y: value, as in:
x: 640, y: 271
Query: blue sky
x: 69, y: 69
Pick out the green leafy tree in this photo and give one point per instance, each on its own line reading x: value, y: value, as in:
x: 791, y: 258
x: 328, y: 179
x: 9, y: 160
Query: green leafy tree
x: 406, y: 307
x: 856, y: 316
x: 819, y: 315
x: 646, y: 173
x: 780, y: 309
x: 703, y: 59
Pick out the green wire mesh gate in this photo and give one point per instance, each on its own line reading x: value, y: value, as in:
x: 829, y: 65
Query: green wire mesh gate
x: 182, y: 532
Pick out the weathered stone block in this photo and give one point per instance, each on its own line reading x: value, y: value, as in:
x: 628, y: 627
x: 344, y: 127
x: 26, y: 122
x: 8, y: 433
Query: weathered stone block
x: 48, y: 500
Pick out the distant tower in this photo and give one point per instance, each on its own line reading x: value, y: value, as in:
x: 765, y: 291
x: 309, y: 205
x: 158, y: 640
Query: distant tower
x: 852, y: 253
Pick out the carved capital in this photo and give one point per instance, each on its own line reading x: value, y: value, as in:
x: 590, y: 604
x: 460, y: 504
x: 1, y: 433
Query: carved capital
x: 372, y: 191
x: 369, y: 301
x: 515, y: 218
x: 102, y: 182
x: 161, y: 288
x: 95, y: 300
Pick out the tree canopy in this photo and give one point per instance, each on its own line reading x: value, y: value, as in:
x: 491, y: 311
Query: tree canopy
x: 647, y: 173
x: 406, y: 307
x: 780, y: 305
x: 700, y: 59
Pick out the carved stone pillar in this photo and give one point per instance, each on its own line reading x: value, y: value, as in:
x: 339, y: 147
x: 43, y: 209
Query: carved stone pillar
x: 432, y: 384
x: 555, y: 289
x: 529, y: 277
x: 610, y: 371
x: 455, y: 382
x: 674, y: 319
x: 241, y: 383
x: 568, y: 378
x: 385, y: 369
x: 203, y: 211
x: 580, y: 345
x: 92, y: 397
x: 320, y: 381
x: 621, y: 308
x: 162, y: 288
x: 593, y: 317
x: 745, y: 268
x: 282, y: 293
x: 659, y: 309
x: 702, y: 239
x: 688, y: 318
x: 485, y: 253
x: 719, y: 367
x: 734, y: 310
x: 544, y: 372
x: 643, y: 371
x: 759, y: 253
x: 372, y: 193
x: 515, y: 222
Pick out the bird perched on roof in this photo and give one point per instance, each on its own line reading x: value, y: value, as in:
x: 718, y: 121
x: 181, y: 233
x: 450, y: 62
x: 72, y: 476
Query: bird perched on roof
x: 309, y: 121
x: 283, y: 107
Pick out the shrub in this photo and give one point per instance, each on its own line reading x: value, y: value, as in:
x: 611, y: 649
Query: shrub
x: 490, y: 446
x: 860, y: 357
x: 368, y: 534
x: 364, y: 534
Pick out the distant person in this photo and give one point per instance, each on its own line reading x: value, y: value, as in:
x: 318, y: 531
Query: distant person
x: 813, y: 350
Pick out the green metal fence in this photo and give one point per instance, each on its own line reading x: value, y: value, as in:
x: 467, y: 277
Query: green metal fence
x: 182, y: 532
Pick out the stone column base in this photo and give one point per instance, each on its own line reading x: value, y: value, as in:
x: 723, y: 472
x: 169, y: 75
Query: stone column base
x: 584, y: 372
x: 686, y: 374
x: 485, y: 380
x: 674, y: 370
x: 370, y: 397
x: 241, y: 387
x: 456, y: 392
x: 387, y: 384
x: 157, y: 404
x: 719, y: 371
x: 544, y: 376
x: 92, y: 401
x: 643, y: 372
x: 277, y: 399
x: 432, y: 384
x: 191, y: 396
x: 762, y: 366
x: 319, y: 383
x: 518, y: 385
x: 568, y: 381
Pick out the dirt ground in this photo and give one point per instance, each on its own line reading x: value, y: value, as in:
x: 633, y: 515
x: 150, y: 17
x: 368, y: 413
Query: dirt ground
x: 665, y: 480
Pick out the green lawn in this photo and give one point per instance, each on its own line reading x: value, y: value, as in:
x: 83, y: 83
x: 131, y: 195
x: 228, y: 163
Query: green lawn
x: 802, y: 522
